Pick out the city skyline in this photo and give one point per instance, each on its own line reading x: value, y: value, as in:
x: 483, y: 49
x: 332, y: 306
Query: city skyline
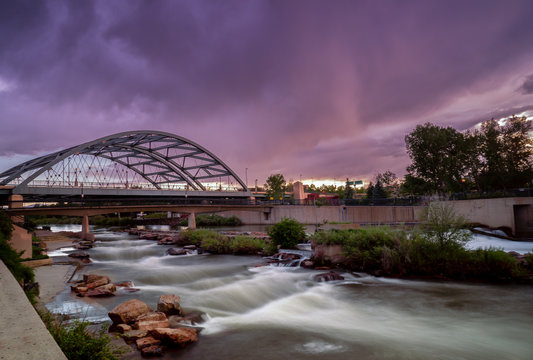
x: 312, y: 90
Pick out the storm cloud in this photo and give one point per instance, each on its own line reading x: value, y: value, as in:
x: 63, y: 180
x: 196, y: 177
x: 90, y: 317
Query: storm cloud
x: 312, y: 88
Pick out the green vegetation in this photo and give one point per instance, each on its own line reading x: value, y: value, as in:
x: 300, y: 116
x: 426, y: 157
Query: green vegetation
x: 11, y: 258
x: 197, y: 236
x: 238, y: 245
x: 79, y: 343
x: 213, y: 220
x: 275, y: 187
x: 497, y: 157
x: 433, y: 250
x: 216, y: 243
x: 287, y: 233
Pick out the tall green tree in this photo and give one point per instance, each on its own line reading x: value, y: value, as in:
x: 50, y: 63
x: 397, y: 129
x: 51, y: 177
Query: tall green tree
x: 390, y: 183
x: 275, y: 187
x: 440, y: 156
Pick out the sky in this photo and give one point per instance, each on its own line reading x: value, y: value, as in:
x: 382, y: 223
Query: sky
x: 313, y: 90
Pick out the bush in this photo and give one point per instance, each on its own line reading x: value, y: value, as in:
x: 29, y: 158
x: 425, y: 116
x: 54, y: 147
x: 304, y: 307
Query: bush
x: 11, y: 258
x: 443, y: 225
x: 287, y: 233
x: 245, y: 245
x: 79, y: 343
x: 213, y: 220
x: 197, y: 236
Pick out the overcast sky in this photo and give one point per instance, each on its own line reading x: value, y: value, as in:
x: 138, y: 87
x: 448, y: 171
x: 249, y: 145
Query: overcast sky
x: 317, y: 89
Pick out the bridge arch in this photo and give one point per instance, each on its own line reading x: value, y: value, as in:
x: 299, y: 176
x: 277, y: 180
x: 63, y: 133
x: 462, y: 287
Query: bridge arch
x: 155, y: 159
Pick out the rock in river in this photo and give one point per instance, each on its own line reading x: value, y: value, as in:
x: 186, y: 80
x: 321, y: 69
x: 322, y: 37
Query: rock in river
x: 169, y: 304
x: 128, y: 311
x: 329, y: 276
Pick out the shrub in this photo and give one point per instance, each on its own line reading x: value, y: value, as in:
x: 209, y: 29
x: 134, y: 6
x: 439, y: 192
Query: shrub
x: 79, y: 343
x: 287, y: 233
x: 245, y: 245
x: 11, y: 258
x: 443, y: 225
x: 196, y: 236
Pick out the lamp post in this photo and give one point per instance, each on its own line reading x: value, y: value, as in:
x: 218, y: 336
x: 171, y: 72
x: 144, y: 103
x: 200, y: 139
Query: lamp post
x: 246, y: 177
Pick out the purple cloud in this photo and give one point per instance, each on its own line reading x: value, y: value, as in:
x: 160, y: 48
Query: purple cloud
x: 326, y: 90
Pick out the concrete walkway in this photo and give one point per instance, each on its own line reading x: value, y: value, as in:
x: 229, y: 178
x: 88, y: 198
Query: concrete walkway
x: 22, y: 333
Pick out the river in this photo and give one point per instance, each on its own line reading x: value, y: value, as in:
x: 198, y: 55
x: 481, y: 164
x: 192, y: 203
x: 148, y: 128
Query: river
x: 272, y: 313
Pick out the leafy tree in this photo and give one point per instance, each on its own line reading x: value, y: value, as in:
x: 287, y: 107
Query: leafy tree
x: 518, y: 151
x: 287, y: 233
x: 275, y: 186
x: 412, y: 185
x: 390, y: 182
x: 370, y: 190
x: 441, y: 156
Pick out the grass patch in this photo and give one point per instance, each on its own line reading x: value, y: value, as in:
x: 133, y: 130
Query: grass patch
x: 78, y: 342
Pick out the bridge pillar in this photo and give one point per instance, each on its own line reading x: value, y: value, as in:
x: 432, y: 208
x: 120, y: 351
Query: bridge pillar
x: 15, y: 201
x: 192, y: 221
x: 85, y: 231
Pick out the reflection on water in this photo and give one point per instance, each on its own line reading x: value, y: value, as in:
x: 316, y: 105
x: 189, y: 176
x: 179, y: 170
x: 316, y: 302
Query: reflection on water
x: 266, y: 312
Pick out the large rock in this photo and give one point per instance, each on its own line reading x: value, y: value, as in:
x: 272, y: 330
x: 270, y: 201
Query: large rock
x: 128, y: 311
x: 134, y: 335
x: 154, y: 350
x: 329, y: 276
x: 93, y: 278
x: 79, y: 254
x: 147, y: 341
x: 176, y: 337
x: 151, y: 321
x: 193, y: 318
x: 169, y: 304
x: 177, y: 251
x: 100, y: 291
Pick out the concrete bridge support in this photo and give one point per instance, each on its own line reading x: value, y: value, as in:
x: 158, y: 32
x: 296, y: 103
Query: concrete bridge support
x: 85, y: 231
x: 192, y: 221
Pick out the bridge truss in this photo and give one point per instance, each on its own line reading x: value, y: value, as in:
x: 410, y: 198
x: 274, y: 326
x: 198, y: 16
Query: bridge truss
x: 148, y: 160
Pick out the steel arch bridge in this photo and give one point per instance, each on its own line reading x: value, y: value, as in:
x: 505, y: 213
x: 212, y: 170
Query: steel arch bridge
x: 133, y: 160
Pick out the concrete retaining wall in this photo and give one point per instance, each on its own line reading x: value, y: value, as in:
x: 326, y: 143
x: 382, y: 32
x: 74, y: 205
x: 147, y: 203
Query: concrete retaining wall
x: 322, y: 214
x: 23, y: 335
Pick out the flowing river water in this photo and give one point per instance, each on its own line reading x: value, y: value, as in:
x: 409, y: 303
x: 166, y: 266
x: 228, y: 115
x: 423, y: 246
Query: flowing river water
x: 278, y: 312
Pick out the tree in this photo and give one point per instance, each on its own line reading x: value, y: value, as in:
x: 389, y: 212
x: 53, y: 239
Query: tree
x: 275, y: 186
x: 412, y: 185
x: 506, y: 154
x: 440, y: 156
x: 348, y: 190
x: 390, y: 182
x: 517, y: 151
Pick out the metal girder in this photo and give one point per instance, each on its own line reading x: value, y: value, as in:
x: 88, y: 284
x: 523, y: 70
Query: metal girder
x: 150, y: 147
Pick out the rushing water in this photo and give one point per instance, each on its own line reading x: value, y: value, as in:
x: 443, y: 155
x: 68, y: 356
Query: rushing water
x: 277, y: 313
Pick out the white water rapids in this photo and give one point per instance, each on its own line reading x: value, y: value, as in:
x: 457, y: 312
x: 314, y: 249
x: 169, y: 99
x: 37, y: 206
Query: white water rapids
x: 281, y: 312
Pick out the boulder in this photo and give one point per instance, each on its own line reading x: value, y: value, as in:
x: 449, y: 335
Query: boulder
x: 190, y: 247
x: 79, y: 288
x: 151, y: 321
x: 166, y: 241
x: 147, y: 341
x: 128, y: 311
x: 124, y: 284
x: 79, y: 254
x: 169, y: 304
x: 102, y: 291
x: 176, y: 337
x: 177, y: 251
x: 134, y: 335
x: 193, y: 318
x: 97, y: 282
x: 92, y: 278
x: 154, y: 350
x: 329, y: 276
x: 123, y: 328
